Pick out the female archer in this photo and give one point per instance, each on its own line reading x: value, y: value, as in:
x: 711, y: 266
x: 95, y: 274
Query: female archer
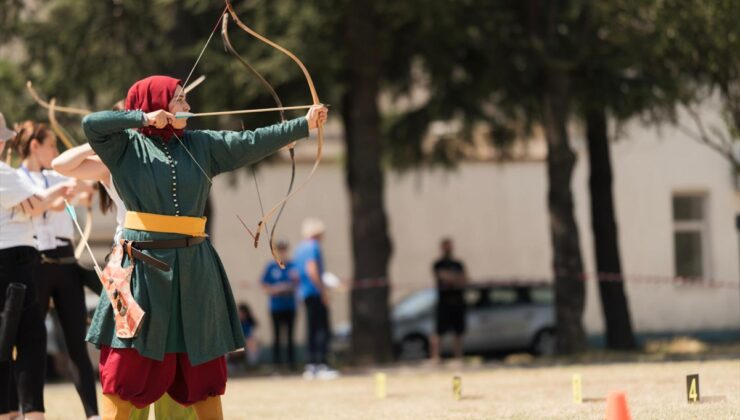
x: 162, y: 173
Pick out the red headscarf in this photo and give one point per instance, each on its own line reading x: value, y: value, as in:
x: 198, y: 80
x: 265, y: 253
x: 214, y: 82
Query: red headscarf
x: 152, y: 94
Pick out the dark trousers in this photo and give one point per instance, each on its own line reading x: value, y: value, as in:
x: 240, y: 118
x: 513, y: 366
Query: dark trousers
x: 317, y: 316
x: 282, y: 321
x: 63, y: 283
x: 18, y: 265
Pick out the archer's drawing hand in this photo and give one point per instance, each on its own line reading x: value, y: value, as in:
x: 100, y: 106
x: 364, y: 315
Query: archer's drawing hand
x: 159, y: 119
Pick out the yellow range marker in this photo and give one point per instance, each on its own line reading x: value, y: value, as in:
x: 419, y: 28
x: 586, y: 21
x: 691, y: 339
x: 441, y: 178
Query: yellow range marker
x: 457, y: 387
x: 692, y: 388
x: 380, y: 385
x: 180, y: 115
x: 577, y: 389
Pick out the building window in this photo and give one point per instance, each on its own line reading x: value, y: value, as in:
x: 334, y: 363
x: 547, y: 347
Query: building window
x: 690, y: 235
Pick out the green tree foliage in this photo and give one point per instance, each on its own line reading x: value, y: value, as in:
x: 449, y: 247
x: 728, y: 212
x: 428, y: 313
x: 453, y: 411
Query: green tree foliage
x: 703, y: 42
x: 89, y: 53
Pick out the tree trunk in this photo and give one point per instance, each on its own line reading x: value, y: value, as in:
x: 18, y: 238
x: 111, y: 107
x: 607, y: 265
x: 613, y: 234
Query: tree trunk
x: 567, y: 264
x: 371, y: 246
x: 619, y: 335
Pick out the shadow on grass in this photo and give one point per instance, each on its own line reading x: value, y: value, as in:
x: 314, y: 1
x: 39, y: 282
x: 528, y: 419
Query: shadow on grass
x: 710, y: 399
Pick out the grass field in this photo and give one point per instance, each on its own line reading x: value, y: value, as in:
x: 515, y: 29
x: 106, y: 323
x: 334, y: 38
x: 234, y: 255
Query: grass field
x: 655, y: 390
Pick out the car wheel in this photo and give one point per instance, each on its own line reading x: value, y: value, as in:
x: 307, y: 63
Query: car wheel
x: 414, y: 347
x: 544, y: 343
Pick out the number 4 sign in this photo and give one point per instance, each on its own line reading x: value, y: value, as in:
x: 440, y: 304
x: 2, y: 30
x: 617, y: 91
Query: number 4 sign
x: 692, y: 388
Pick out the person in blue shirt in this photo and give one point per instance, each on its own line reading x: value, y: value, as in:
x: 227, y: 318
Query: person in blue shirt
x: 310, y: 266
x: 280, y: 284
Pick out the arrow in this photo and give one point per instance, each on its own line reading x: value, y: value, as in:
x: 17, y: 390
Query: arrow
x: 194, y: 83
x: 73, y: 215
x: 180, y: 115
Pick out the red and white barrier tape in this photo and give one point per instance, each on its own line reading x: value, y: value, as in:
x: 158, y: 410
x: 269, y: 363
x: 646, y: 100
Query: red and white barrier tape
x: 694, y: 282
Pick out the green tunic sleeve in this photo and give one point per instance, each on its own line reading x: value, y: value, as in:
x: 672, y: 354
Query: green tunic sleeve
x: 106, y: 131
x: 230, y: 150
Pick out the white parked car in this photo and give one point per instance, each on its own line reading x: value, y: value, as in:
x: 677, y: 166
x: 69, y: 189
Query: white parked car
x: 499, y: 317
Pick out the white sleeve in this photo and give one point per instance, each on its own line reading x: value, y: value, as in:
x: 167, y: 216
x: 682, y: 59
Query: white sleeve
x: 55, y: 177
x: 13, y: 188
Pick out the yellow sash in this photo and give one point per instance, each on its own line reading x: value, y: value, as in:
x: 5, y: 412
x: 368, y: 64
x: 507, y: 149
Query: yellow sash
x: 192, y: 226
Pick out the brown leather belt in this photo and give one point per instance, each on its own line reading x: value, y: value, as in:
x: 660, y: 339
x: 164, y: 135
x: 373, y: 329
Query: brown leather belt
x: 133, y: 249
x: 63, y: 254
x: 61, y: 261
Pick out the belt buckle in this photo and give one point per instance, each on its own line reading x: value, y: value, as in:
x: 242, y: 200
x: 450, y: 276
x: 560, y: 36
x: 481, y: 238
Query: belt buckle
x: 127, y: 245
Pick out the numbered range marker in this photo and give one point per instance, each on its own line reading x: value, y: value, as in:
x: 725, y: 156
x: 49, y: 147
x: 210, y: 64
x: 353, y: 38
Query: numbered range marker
x: 457, y: 387
x: 692, y: 388
x: 577, y: 389
x: 380, y: 385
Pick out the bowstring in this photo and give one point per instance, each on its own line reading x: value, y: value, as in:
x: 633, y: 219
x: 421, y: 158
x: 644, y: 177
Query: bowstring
x: 203, y: 50
x: 254, y: 175
x: 259, y: 198
x: 190, y: 74
x: 203, y: 171
x: 192, y: 157
x: 187, y: 79
x: 257, y: 188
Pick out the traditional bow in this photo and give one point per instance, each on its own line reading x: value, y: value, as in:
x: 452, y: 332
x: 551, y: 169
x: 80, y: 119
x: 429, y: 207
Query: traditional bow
x: 67, y: 109
x: 69, y: 143
x: 279, y: 103
x: 315, y: 98
x: 57, y: 128
x: 51, y: 107
x: 277, y: 208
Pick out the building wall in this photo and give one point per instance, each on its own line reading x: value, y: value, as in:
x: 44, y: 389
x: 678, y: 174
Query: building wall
x: 650, y: 166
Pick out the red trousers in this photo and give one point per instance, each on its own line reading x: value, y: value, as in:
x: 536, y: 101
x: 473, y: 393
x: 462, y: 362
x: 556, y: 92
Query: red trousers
x: 142, y: 381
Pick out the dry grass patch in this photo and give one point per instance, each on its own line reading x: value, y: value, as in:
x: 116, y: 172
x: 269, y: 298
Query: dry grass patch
x: 654, y: 391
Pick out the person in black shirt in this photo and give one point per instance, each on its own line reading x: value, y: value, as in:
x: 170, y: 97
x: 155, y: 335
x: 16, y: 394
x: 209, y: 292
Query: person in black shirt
x: 450, y: 278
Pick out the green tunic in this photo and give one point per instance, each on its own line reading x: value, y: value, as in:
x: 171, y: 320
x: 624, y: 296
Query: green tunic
x: 190, y: 308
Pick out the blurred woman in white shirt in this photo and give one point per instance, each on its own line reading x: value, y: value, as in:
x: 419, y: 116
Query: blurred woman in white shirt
x: 59, y: 277
x: 19, y: 201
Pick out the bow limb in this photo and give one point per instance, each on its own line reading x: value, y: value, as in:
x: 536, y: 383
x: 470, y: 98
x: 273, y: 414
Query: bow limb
x: 314, y: 97
x: 291, y: 151
x: 247, y: 66
x: 69, y: 110
x: 57, y: 128
x: 292, y: 56
x: 271, y: 232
